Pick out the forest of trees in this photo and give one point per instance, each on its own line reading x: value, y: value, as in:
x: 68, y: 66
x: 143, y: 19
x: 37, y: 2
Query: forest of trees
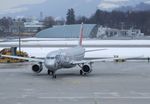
x: 70, y: 19
x: 118, y: 19
x: 114, y: 19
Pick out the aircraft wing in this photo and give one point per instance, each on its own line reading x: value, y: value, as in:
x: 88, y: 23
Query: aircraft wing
x: 91, y: 61
x: 105, y: 59
x: 129, y: 58
x: 23, y: 58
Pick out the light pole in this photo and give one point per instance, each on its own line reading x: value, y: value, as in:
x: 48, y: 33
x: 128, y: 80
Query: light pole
x: 19, y: 37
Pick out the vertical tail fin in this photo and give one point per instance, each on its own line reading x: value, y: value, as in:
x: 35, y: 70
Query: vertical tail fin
x: 81, y: 35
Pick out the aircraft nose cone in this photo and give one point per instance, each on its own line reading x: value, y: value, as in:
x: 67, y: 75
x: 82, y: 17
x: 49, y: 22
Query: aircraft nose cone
x: 50, y: 64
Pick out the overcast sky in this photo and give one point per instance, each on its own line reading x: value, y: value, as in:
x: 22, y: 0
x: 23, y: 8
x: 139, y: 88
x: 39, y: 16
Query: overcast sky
x: 58, y: 8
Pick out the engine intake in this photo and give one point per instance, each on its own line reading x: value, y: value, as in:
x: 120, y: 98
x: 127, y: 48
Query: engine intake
x: 37, y: 68
x: 86, y: 69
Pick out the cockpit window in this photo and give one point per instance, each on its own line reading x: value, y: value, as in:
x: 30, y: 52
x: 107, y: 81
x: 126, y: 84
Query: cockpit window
x: 50, y: 57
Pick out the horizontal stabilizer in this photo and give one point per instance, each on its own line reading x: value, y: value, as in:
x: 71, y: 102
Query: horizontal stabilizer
x: 95, y: 50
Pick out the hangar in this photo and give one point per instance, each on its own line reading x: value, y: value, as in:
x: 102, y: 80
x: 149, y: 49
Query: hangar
x: 66, y: 31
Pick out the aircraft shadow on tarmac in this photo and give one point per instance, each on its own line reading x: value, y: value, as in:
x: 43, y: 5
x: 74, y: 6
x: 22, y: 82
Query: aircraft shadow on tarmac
x: 73, y: 74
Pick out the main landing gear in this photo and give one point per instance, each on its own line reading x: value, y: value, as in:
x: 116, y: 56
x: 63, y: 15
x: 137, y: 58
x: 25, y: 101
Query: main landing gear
x: 81, y: 72
x: 49, y: 72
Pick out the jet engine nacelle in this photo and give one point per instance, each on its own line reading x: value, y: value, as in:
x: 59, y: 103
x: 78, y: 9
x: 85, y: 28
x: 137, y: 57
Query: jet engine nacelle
x: 37, y: 68
x: 86, y: 69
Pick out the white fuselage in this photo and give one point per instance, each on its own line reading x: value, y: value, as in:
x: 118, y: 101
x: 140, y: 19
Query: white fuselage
x: 62, y: 58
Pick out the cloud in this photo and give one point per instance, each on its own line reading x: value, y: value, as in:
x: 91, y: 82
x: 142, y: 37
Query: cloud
x: 148, y: 2
x: 107, y: 6
x: 15, y: 10
x: 14, y: 6
x: 88, y: 1
x: 111, y: 4
x: 116, y: 1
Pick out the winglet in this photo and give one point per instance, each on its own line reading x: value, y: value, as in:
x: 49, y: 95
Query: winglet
x: 81, y: 35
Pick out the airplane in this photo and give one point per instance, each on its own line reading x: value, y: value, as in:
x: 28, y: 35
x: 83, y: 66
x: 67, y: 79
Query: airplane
x: 63, y: 58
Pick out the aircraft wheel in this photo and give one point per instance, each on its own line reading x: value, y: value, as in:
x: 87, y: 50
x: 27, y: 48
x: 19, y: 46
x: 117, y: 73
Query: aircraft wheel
x: 48, y: 72
x: 85, y: 74
x: 53, y: 75
x: 81, y: 73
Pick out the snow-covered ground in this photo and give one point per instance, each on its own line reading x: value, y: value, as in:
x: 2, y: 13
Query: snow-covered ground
x: 71, y: 42
x: 109, y: 52
x: 40, y: 47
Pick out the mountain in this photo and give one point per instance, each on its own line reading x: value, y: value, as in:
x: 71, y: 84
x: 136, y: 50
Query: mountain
x: 140, y: 7
x: 58, y: 8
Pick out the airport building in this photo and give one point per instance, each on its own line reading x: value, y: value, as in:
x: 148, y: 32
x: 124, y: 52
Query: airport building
x: 66, y: 31
x: 105, y: 32
x: 90, y: 31
x: 33, y: 26
x: 20, y: 27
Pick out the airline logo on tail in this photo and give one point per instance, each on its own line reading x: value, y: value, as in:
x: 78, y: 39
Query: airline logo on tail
x: 81, y: 35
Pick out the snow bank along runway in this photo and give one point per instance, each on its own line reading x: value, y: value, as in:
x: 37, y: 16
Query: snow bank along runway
x: 40, y: 47
x: 109, y: 83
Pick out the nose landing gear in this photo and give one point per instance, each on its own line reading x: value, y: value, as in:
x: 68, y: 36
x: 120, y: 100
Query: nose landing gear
x: 49, y: 72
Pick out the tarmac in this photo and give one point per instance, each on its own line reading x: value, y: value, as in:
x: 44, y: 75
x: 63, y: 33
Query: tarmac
x: 109, y: 83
